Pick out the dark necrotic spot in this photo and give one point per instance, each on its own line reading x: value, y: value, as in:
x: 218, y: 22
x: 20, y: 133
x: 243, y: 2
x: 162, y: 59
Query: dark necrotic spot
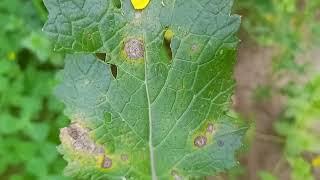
x: 200, y: 141
x: 106, y: 163
x: 134, y: 49
x: 114, y: 70
x: 220, y: 143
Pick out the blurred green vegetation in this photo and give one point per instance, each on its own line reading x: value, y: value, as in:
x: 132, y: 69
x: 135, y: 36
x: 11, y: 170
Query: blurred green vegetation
x: 293, y: 28
x: 299, y: 124
x: 30, y: 116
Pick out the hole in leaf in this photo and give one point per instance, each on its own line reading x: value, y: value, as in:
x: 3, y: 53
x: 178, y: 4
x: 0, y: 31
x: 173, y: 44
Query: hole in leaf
x: 101, y: 56
x: 78, y: 138
x: 168, y: 35
x: 117, y: 3
x: 114, y: 70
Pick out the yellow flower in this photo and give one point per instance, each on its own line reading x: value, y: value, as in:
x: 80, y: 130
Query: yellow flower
x: 140, y: 4
x: 12, y: 56
x: 316, y: 161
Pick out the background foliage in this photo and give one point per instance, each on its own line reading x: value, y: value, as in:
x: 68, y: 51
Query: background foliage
x: 30, y: 116
x: 293, y: 28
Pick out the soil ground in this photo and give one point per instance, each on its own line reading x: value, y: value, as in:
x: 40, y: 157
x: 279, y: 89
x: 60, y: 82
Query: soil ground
x: 253, y: 69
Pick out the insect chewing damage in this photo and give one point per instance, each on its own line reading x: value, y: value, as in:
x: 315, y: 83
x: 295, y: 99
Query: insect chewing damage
x: 114, y: 70
x: 102, y: 56
x: 79, y: 139
x: 105, y: 58
x: 168, y: 35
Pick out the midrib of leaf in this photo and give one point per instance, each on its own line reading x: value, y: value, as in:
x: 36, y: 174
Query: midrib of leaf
x: 152, y: 163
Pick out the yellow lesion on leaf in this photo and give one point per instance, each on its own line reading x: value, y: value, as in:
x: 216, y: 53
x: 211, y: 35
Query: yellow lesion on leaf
x: 205, y: 132
x: 168, y: 35
x: 140, y: 4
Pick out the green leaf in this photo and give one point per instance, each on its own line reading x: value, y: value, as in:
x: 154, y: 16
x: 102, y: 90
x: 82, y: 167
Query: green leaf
x: 300, y: 169
x: 38, y: 131
x: 9, y: 124
x: 37, y: 166
x: 162, y: 115
x: 39, y: 45
x: 16, y: 177
x: 264, y: 175
x: 49, y: 152
x: 25, y: 150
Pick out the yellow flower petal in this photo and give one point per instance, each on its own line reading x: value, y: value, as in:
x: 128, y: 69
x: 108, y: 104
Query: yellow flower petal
x: 140, y: 4
x: 316, y: 161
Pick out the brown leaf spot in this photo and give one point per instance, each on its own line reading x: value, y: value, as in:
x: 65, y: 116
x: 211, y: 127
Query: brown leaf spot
x: 211, y: 128
x: 106, y: 163
x: 220, y: 143
x: 194, y: 47
x: 134, y: 49
x: 124, y: 157
x: 78, y: 137
x: 73, y: 133
x: 176, y: 175
x: 200, y: 141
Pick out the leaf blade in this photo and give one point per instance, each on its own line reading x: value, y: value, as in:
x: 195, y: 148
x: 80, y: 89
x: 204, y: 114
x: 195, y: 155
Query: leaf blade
x: 158, y: 108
